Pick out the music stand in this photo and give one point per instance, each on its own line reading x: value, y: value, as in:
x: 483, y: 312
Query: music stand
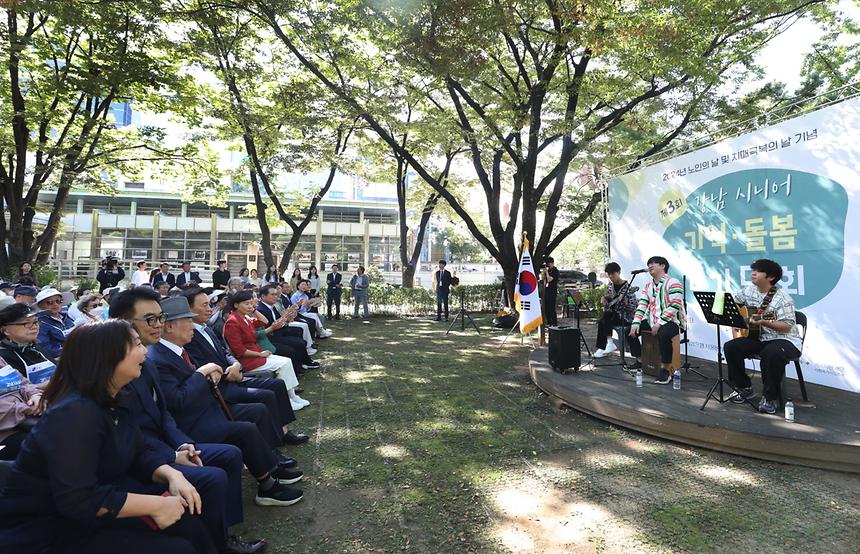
x: 730, y: 318
x: 462, y: 315
x: 579, y: 300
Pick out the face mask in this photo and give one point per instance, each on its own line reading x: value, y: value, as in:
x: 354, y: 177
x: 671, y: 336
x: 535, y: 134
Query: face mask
x: 97, y: 311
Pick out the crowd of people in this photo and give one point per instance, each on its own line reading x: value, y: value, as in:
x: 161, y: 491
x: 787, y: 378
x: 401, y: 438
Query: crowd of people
x: 128, y: 414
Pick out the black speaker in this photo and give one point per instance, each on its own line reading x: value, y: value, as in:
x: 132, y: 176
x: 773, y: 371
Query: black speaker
x: 564, y: 352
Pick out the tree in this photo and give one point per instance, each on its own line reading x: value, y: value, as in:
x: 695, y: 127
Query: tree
x: 535, y: 87
x: 68, y: 64
x: 285, y: 121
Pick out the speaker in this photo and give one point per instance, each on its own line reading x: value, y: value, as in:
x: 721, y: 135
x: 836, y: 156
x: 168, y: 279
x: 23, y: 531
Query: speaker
x: 564, y: 351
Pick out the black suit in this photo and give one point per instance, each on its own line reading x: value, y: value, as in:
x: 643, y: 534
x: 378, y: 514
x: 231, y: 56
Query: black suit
x: 443, y: 289
x: 159, y: 277
x: 286, y: 303
x: 182, y: 282
x: 334, y: 288
x: 197, y: 412
x: 271, y: 392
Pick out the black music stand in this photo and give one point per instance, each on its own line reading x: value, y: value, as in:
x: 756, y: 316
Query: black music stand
x: 462, y: 315
x: 730, y: 318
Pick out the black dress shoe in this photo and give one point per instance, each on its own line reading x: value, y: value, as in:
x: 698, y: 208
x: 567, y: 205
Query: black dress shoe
x: 284, y: 461
x: 298, y: 390
x: 295, y: 438
x: 235, y: 545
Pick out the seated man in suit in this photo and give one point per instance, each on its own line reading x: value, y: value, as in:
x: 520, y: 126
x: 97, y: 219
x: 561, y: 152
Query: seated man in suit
x: 191, y: 397
x: 286, y: 299
x: 304, y: 303
x: 268, y: 306
x: 187, y: 278
x: 164, y: 276
x: 215, y: 470
x: 206, y: 347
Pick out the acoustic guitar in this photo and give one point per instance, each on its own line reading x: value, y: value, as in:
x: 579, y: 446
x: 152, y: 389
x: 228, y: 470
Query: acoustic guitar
x: 751, y: 332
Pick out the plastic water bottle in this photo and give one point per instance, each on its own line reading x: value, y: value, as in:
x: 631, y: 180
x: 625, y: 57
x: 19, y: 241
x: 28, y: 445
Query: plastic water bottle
x: 789, y: 411
x: 639, y: 378
x: 676, y: 380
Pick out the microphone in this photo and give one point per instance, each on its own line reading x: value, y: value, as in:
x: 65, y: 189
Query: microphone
x: 636, y: 272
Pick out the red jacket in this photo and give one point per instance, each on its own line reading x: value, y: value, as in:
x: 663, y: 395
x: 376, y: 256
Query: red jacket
x: 241, y: 336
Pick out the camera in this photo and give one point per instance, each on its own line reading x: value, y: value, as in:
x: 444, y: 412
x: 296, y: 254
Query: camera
x: 110, y: 262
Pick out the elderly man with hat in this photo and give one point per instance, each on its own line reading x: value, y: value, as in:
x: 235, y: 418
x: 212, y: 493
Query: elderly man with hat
x: 19, y: 330
x: 54, y: 325
x: 7, y: 289
x: 25, y: 294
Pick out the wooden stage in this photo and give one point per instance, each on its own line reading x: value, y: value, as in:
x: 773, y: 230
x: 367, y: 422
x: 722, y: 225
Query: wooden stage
x: 826, y: 433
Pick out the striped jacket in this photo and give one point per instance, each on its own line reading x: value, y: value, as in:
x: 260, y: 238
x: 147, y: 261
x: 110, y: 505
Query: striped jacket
x: 663, y: 301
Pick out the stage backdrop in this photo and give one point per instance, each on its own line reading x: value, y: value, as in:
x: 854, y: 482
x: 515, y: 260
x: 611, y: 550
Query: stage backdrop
x: 788, y: 192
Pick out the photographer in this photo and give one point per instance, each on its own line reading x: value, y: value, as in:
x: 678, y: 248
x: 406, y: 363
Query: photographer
x: 549, y: 275
x: 110, y: 274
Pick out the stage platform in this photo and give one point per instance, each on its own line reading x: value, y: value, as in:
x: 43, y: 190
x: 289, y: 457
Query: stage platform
x: 826, y: 433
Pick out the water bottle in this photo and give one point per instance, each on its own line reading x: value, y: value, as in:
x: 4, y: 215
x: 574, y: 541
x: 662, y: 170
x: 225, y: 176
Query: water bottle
x: 676, y: 380
x: 639, y: 378
x: 789, y: 411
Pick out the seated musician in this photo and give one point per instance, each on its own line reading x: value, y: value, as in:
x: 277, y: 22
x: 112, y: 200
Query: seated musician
x: 619, y: 303
x: 771, y: 312
x: 661, y: 310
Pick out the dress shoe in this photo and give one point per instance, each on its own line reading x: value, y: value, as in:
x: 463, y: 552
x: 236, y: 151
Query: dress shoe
x: 298, y: 390
x: 291, y: 437
x: 311, y: 365
x: 235, y: 545
x: 284, y: 461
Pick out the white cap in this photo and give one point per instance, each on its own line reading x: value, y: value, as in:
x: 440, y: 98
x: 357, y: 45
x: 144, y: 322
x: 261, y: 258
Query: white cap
x: 215, y: 295
x: 47, y: 293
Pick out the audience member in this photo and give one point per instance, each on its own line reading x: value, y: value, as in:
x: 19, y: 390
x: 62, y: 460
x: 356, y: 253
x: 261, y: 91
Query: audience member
x: 268, y: 307
x: 294, y: 280
x: 25, y: 294
x: 19, y: 329
x: 244, y: 276
x: 215, y: 470
x: 272, y: 275
x: 205, y: 347
x: 254, y: 279
x: 54, y: 325
x: 303, y: 302
x: 69, y: 489
x: 7, y: 288
x: 189, y: 395
x: 20, y: 404
x: 88, y: 310
x: 234, y: 285
x: 220, y: 276
x: 239, y: 330
x: 187, y: 278
x: 314, y: 281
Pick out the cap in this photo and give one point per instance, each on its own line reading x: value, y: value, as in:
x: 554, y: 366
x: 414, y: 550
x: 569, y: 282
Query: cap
x: 47, y: 293
x: 16, y: 312
x: 216, y: 295
x: 176, y: 307
x: 5, y: 285
x: 26, y: 290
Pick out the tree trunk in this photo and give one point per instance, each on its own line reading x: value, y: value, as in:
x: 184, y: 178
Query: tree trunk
x: 265, y: 232
x: 408, y: 275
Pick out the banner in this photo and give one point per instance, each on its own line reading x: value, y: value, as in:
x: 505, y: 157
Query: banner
x: 526, y: 293
x: 788, y: 192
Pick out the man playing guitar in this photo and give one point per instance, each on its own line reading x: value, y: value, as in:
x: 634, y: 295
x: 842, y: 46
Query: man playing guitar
x: 772, y: 311
x: 619, y: 303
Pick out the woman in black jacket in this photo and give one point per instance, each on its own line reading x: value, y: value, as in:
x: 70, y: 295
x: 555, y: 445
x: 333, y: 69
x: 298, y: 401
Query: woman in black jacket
x: 70, y: 487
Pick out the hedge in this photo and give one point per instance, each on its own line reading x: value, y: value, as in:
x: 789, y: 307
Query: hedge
x: 388, y: 300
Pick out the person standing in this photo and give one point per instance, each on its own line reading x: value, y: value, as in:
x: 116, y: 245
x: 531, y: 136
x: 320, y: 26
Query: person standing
x: 141, y: 276
x: 661, y: 309
x: 110, y: 274
x: 26, y: 276
x: 550, y: 276
x: 220, y: 276
x: 334, y: 288
x: 359, y: 283
x: 442, y: 286
x: 164, y: 276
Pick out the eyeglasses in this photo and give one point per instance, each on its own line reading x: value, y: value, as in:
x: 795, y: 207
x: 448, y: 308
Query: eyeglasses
x: 152, y: 320
x: 56, y: 301
x: 28, y: 324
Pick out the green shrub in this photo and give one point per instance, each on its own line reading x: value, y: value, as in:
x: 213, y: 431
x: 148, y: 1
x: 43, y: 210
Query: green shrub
x: 592, y: 298
x: 388, y: 300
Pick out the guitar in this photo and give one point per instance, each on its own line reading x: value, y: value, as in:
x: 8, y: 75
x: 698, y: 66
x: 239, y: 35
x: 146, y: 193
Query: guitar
x: 621, y: 295
x: 752, y: 332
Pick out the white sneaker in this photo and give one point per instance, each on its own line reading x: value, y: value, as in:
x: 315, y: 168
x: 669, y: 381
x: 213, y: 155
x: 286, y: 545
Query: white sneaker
x: 326, y: 333
x: 610, y: 347
x: 312, y: 351
x: 296, y: 405
x: 599, y: 353
x: 301, y: 400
